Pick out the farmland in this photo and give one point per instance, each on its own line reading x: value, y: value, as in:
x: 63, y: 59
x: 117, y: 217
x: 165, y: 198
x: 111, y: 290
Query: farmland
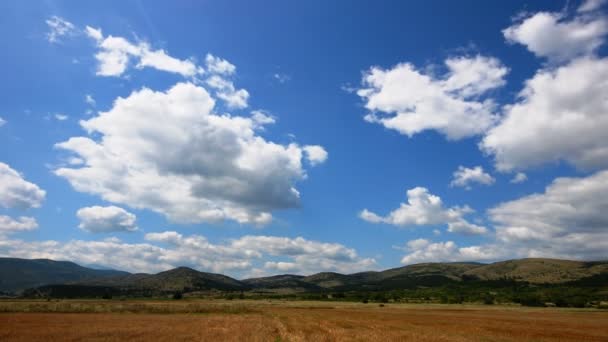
x: 292, y: 321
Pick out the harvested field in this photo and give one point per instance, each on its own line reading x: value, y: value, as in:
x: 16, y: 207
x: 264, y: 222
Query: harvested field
x: 294, y: 321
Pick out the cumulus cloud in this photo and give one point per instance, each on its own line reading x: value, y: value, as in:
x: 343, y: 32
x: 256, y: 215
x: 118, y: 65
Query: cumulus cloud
x: 566, y: 221
x: 261, y: 118
x: 218, y: 65
x: 11, y: 225
x: 16, y: 192
x: 590, y: 5
x: 561, y: 114
x: 2, y: 122
x: 115, y: 54
x: 169, y: 152
x: 167, y: 250
x: 425, y: 209
x: 558, y: 37
x: 281, y: 266
x: 225, y: 90
x: 422, y: 250
x: 465, y: 177
x: 315, y: 154
x: 455, y: 104
x: 58, y: 28
x: 221, y: 71
x: 97, y: 219
x: 519, y: 177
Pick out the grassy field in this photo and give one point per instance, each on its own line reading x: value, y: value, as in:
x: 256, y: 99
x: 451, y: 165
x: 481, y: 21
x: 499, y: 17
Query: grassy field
x: 194, y: 320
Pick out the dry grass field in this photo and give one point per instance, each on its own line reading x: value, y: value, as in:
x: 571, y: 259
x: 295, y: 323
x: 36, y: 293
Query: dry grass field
x: 191, y: 320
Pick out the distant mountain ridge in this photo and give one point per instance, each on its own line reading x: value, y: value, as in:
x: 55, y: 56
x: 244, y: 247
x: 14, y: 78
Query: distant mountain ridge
x: 181, y: 279
x: 48, y: 276
x: 19, y: 274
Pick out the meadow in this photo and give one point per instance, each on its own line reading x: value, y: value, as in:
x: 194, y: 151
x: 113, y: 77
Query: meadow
x: 244, y: 320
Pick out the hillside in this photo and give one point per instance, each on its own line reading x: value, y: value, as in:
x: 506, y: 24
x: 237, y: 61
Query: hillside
x: 283, y: 281
x: 19, y: 274
x: 407, y: 276
x: 539, y: 271
x: 181, y: 279
x: 65, y: 279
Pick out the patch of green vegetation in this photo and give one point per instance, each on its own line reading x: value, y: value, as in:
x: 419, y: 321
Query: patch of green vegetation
x: 586, y: 293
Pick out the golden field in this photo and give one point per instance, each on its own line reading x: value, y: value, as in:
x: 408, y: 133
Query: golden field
x: 199, y: 320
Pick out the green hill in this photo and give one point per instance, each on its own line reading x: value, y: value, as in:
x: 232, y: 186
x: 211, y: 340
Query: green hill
x: 539, y: 271
x: 181, y: 279
x: 547, y: 279
x: 19, y: 274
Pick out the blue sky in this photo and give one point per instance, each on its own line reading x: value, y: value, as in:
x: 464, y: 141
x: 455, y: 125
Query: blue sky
x: 283, y: 137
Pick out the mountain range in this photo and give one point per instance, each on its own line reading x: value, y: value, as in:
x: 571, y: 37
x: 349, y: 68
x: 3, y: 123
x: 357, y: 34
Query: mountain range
x: 62, y: 278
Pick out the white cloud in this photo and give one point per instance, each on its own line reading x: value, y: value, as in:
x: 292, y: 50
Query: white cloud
x: 16, y: 192
x: 261, y: 118
x: 315, y: 154
x: 61, y: 117
x: 561, y: 114
x: 226, y: 91
x: 462, y: 226
x: 218, y: 65
x: 23, y: 223
x: 58, y: 28
x: 590, y: 5
x: 281, y: 78
x: 447, y: 252
x: 470, y: 77
x: 97, y: 219
x: 234, y: 98
x: 2, y: 122
x: 568, y: 219
x: 417, y: 244
x: 170, y: 237
x: 519, y: 177
x: 425, y: 209
x: 89, y: 100
x: 281, y: 266
x: 94, y: 33
x: 464, y: 177
x: 234, y: 256
x: 555, y: 36
x: 453, y: 104
x: 168, y: 152
x: 116, y: 52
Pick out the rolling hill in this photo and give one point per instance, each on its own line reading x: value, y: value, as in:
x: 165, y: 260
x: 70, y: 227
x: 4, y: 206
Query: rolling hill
x: 66, y: 279
x: 19, y: 274
x: 181, y: 279
x: 539, y: 271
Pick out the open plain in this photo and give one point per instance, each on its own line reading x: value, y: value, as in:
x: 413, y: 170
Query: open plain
x: 201, y: 320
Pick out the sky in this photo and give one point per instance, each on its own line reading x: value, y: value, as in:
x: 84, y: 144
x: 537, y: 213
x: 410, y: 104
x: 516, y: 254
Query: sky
x: 258, y: 138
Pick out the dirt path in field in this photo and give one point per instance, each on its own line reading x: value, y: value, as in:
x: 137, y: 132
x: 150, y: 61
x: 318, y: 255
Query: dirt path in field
x: 315, y: 323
